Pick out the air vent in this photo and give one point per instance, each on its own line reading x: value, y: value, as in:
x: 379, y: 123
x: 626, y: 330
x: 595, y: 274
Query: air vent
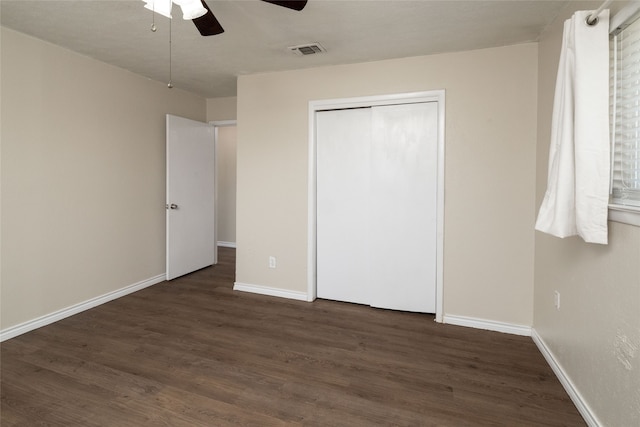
x: 307, y: 49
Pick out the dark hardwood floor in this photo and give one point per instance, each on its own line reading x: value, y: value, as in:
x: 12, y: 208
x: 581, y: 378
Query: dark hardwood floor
x: 195, y: 353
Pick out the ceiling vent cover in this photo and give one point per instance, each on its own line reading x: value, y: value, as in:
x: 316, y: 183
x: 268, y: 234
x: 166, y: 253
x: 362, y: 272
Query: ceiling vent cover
x: 307, y: 49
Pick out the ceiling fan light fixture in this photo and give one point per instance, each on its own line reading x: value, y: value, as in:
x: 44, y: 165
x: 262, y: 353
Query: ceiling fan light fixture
x: 191, y: 9
x: 202, y: 17
x: 163, y: 7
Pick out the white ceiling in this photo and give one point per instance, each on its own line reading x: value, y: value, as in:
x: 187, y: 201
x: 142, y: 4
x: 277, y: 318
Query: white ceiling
x: 257, y: 34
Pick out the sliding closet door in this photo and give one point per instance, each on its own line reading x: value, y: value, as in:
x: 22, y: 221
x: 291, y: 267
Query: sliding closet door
x: 343, y: 187
x: 376, y: 206
x: 402, y: 207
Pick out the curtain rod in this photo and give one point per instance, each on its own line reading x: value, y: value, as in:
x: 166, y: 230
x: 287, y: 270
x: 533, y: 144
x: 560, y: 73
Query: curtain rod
x: 620, y: 20
x: 593, y: 18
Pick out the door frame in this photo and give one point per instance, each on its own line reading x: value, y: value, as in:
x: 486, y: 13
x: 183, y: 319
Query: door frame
x: 437, y: 96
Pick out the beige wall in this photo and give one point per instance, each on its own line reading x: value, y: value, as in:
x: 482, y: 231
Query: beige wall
x: 220, y: 109
x: 490, y: 171
x: 83, y: 176
x: 595, y: 336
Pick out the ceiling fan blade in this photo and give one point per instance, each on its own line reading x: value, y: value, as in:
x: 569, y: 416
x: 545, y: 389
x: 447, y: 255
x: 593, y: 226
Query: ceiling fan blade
x: 207, y: 24
x: 291, y: 4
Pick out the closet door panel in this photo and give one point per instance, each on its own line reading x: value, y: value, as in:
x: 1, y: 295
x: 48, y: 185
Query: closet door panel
x: 402, y: 207
x: 343, y: 196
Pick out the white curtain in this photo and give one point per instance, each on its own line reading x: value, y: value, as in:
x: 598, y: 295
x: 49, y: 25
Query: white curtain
x: 577, y: 195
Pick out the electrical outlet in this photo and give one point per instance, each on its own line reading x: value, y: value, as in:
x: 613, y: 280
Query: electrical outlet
x: 556, y: 299
x: 272, y: 262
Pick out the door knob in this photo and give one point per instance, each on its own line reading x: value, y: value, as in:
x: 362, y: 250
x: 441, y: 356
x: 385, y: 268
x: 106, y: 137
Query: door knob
x: 172, y: 206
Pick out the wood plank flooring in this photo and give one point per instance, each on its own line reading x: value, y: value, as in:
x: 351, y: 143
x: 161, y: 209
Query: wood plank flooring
x: 193, y: 352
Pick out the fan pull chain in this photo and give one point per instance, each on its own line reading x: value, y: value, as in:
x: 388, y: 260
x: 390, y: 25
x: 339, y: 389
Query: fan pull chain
x: 153, y: 19
x: 170, y: 85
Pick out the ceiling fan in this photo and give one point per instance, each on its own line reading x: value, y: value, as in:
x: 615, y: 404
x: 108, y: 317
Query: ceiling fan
x: 201, y: 15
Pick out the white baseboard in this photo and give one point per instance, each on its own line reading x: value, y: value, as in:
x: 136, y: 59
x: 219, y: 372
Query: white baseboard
x: 572, y: 391
x: 266, y: 290
x: 227, y: 244
x: 490, y: 325
x: 48, y: 319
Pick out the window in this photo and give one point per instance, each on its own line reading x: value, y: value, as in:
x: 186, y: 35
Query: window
x: 625, y: 121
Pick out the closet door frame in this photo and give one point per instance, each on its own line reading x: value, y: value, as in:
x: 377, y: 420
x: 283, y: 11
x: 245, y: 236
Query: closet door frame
x: 437, y: 96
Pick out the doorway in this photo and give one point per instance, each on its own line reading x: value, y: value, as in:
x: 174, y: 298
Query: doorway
x: 370, y: 201
x: 226, y: 165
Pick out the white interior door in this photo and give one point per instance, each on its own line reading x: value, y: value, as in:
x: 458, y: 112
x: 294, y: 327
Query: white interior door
x: 191, y: 239
x: 377, y: 206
